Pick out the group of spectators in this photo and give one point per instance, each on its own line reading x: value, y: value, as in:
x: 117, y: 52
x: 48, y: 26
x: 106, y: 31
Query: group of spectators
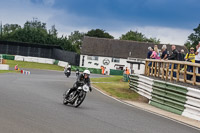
x: 193, y: 56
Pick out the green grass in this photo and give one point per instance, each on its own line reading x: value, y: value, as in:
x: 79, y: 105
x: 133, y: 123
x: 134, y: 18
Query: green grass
x: 116, y: 89
x: 107, y: 79
x: 8, y: 71
x: 22, y: 64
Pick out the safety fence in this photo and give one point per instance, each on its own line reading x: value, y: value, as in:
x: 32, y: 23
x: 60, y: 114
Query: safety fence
x: 174, y: 98
x: 180, y: 71
x: 81, y: 69
x: 116, y: 72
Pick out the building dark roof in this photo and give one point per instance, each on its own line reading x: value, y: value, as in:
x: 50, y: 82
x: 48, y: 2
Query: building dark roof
x: 119, y: 48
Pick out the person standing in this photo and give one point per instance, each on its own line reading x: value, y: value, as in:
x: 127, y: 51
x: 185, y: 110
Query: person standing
x: 173, y: 56
x: 150, y: 52
x: 164, y: 52
x: 155, y: 53
x: 190, y: 57
x: 197, y: 60
x: 102, y: 70
x: 182, y: 55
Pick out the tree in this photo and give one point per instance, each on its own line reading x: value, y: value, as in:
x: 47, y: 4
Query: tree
x: 153, y: 40
x: 99, y: 33
x: 76, y: 39
x: 193, y: 38
x: 137, y: 36
x: 8, y: 28
x: 35, y: 32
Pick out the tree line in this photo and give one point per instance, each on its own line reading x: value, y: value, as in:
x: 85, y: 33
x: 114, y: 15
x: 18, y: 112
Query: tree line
x: 35, y: 31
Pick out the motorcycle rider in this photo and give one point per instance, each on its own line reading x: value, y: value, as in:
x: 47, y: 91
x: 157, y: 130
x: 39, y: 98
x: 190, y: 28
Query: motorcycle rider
x: 69, y: 68
x: 77, y: 72
x: 82, y: 78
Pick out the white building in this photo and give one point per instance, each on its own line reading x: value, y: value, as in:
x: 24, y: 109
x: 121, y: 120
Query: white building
x: 115, y: 54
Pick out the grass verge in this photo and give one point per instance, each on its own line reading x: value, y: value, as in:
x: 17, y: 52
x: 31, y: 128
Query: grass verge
x: 8, y: 71
x: 116, y: 88
x: 22, y: 64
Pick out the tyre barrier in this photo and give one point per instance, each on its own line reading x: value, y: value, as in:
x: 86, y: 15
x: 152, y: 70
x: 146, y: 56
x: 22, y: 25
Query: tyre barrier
x: 174, y: 98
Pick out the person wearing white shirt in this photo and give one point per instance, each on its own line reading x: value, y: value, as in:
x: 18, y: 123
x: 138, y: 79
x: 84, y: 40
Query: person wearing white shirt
x: 197, y: 60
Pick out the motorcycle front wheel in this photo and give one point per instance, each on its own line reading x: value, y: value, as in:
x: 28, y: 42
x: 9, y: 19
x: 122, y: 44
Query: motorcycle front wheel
x: 80, y: 99
x: 68, y: 96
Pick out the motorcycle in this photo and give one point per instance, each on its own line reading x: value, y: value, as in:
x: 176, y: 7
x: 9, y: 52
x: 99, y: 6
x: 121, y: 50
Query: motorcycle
x: 77, y: 96
x: 77, y: 73
x: 67, y: 73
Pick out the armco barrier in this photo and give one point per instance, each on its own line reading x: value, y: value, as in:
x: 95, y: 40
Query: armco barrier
x: 167, y: 96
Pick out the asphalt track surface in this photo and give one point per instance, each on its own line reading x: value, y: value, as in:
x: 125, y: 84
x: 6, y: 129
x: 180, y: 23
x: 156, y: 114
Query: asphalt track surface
x: 33, y: 104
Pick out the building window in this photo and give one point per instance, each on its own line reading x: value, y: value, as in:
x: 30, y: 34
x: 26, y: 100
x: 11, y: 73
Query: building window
x: 93, y: 58
x: 117, y: 60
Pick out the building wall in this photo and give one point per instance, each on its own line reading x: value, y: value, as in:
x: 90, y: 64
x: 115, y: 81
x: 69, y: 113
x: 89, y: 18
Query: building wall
x: 108, y: 63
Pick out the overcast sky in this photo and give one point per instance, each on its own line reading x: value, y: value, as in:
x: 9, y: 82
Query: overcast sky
x: 172, y: 21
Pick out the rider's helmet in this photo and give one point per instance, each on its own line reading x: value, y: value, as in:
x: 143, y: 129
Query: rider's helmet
x: 86, y: 72
x: 69, y: 66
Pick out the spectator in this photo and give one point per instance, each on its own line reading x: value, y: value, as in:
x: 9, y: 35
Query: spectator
x: 155, y: 53
x: 16, y: 67
x: 164, y: 52
x: 102, y: 70
x: 197, y: 60
x: 149, y: 52
x: 173, y: 56
x: 191, y: 58
x: 182, y: 55
x: 126, y: 71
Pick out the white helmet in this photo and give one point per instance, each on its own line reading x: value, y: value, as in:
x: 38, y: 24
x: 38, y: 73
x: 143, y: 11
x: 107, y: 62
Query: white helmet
x: 69, y: 66
x: 86, y: 72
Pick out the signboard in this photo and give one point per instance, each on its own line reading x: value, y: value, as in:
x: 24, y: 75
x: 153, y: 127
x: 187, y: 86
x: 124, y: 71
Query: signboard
x: 106, y: 61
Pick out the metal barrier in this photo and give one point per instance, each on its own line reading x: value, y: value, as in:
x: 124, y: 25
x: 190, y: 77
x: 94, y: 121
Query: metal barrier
x: 172, y: 70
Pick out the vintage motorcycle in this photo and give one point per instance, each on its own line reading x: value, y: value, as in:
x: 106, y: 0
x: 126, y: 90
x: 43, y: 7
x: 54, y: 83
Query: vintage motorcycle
x: 77, y: 96
x: 67, y: 72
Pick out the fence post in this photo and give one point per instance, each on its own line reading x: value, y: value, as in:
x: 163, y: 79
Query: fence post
x: 159, y: 65
x: 163, y: 70
x: 172, y: 71
x: 166, y: 77
x: 185, y: 73
x: 178, y: 72
x: 155, y: 70
x: 152, y: 69
x: 194, y: 75
x: 146, y: 68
